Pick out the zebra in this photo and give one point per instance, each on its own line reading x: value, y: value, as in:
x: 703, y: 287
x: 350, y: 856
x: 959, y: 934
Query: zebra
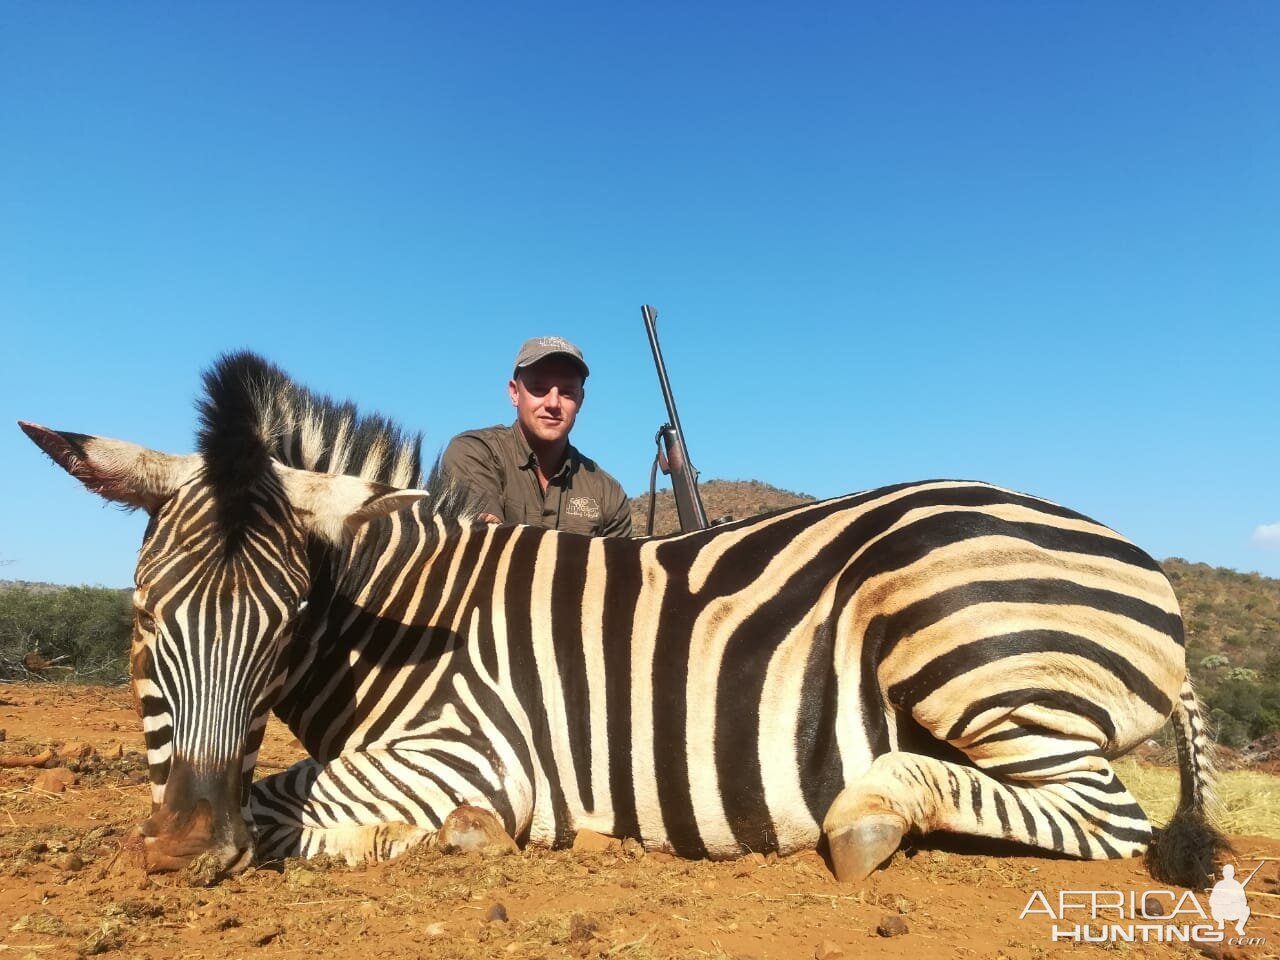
x: 933, y: 656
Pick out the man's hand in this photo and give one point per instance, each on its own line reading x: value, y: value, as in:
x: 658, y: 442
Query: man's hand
x: 488, y: 518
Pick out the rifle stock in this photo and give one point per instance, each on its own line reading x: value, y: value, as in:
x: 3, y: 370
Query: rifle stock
x: 673, y: 452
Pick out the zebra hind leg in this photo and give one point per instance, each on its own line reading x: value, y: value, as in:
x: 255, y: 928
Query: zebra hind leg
x: 1071, y: 803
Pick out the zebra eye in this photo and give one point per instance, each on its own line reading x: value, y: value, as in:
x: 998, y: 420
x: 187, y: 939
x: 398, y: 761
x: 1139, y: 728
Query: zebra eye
x: 146, y: 623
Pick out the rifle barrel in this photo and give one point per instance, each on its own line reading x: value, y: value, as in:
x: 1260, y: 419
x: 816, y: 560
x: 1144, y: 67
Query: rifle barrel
x: 651, y: 327
x: 693, y: 515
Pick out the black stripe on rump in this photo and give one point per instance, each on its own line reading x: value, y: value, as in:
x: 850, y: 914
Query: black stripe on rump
x: 1033, y: 764
x: 1131, y: 810
x: 1046, y: 592
x: 567, y: 589
x: 959, y: 660
x: 940, y: 529
x: 908, y: 545
x: 1021, y: 729
x: 623, y: 564
x: 1050, y: 699
x: 518, y: 601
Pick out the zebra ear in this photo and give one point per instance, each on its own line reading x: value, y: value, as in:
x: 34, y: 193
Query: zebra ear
x: 330, y: 505
x: 115, y: 469
x: 384, y: 503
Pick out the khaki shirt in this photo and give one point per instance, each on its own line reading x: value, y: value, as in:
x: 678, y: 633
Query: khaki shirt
x: 501, y: 469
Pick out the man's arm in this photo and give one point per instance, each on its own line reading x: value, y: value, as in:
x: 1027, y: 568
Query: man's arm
x: 617, y: 521
x: 468, y: 460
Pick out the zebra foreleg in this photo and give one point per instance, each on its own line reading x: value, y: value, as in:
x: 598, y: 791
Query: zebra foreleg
x: 299, y: 813
x: 468, y: 829
x: 367, y: 807
x: 1075, y: 806
x: 356, y: 843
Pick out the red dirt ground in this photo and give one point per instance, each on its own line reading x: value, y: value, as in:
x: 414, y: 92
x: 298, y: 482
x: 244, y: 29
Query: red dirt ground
x: 70, y: 885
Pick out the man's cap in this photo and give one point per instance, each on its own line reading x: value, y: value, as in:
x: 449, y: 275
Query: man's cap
x: 539, y: 348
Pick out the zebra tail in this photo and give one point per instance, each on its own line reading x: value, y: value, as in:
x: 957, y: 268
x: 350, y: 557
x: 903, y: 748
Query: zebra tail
x: 1187, y: 849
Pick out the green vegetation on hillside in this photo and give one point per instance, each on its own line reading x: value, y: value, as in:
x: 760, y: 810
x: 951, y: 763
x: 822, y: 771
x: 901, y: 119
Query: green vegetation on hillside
x: 77, y: 633
x: 1233, y: 646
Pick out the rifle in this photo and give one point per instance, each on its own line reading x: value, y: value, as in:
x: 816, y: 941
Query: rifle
x: 673, y: 454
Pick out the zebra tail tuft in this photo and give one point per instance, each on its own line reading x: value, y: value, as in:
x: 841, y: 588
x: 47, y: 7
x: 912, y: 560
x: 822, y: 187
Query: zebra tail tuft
x: 1187, y: 849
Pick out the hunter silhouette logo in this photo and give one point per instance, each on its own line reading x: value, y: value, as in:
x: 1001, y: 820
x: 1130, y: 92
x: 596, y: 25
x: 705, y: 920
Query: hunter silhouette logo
x: 1227, y: 900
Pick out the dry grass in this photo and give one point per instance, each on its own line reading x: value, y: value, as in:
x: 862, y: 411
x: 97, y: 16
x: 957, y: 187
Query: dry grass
x: 1249, y: 802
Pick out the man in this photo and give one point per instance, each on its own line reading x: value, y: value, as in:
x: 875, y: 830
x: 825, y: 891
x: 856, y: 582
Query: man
x: 529, y: 472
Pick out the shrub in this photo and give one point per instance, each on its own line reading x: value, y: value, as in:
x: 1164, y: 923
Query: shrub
x: 1243, y: 673
x: 83, y: 629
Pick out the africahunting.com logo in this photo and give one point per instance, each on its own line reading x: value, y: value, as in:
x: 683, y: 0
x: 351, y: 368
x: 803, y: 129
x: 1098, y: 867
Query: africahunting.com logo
x: 1150, y: 916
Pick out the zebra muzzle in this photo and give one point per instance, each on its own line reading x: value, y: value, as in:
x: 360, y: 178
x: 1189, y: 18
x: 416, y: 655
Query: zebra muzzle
x: 199, y: 818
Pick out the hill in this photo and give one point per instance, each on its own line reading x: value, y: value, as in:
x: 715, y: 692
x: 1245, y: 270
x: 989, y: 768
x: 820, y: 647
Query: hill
x: 1233, y: 646
x: 733, y: 498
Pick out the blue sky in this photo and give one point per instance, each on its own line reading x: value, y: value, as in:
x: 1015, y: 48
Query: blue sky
x: 1035, y: 244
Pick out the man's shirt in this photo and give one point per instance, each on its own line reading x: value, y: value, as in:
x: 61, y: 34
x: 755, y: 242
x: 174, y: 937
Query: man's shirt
x: 501, y: 470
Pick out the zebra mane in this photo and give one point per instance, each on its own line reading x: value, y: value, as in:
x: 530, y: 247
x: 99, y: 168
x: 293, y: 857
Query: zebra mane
x: 253, y: 412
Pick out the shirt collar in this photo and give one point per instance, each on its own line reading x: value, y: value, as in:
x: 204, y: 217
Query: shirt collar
x: 528, y: 459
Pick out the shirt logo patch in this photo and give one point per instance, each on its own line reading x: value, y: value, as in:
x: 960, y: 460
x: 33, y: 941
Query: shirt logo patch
x: 583, y: 507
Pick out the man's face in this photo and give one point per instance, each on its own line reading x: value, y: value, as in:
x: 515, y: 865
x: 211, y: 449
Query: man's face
x: 547, y: 396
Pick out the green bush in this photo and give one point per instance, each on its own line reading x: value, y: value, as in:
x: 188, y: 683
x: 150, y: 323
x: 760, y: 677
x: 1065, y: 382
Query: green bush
x: 83, y: 631
x: 1243, y: 709
x: 1243, y: 673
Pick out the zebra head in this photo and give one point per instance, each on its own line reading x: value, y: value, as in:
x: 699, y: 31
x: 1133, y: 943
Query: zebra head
x: 222, y: 575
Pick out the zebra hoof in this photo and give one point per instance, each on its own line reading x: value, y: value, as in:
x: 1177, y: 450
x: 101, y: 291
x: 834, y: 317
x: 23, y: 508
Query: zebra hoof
x: 857, y: 850
x: 474, y: 830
